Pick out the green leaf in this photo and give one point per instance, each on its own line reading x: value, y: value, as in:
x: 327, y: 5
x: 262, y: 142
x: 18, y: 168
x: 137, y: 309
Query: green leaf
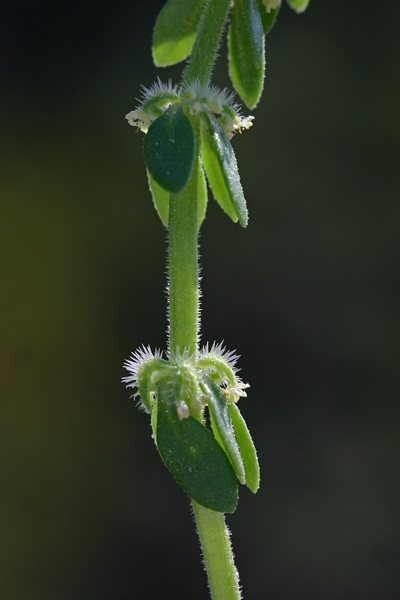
x: 195, y: 459
x: 245, y: 42
x: 267, y: 19
x: 221, y: 423
x: 175, y: 31
x: 202, y: 197
x: 247, y: 449
x: 169, y: 149
x: 298, y: 5
x: 160, y: 199
x: 221, y: 169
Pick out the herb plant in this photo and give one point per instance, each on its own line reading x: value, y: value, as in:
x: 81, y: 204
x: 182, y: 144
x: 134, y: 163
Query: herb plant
x: 188, y: 130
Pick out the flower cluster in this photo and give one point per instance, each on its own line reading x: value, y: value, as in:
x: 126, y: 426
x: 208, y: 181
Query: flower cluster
x: 183, y: 375
x: 155, y: 100
x: 197, y: 98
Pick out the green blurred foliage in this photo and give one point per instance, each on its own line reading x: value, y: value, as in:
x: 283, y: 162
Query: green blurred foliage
x: 88, y: 510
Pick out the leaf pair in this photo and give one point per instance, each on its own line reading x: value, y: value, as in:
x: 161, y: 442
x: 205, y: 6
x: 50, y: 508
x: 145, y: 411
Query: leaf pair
x: 206, y: 466
x: 195, y: 459
x: 177, y: 24
x: 231, y: 432
x: 169, y: 150
x: 221, y: 168
x: 161, y: 198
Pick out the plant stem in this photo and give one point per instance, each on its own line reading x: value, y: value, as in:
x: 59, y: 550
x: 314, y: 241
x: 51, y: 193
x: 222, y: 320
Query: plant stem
x: 184, y: 299
x: 183, y: 334
x: 207, y: 40
x: 223, y: 579
x: 183, y: 264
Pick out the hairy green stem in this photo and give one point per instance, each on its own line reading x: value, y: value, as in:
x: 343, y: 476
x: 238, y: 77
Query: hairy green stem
x: 183, y: 264
x: 207, y: 40
x: 223, y: 577
x: 184, y: 300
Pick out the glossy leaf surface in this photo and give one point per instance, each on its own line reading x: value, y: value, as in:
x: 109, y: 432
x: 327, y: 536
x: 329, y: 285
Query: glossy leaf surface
x: 247, y: 449
x: 246, y: 55
x: 267, y: 19
x: 222, y: 423
x: 221, y: 169
x: 175, y: 31
x: 298, y: 5
x: 169, y: 149
x: 195, y: 459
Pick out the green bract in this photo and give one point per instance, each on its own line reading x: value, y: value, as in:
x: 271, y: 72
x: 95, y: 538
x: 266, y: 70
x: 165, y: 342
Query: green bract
x: 169, y: 148
x: 246, y: 51
x: 267, y: 18
x: 247, y: 449
x: 194, y: 458
x: 161, y: 199
x: 298, y: 5
x: 221, y: 423
x: 145, y: 384
x: 175, y: 31
x: 221, y: 169
x: 202, y: 197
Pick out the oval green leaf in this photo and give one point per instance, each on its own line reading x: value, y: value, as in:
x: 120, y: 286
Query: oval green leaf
x: 160, y: 199
x: 221, y: 169
x: 267, y: 18
x: 245, y: 42
x: 175, y: 31
x: 221, y: 424
x: 247, y: 449
x: 298, y: 5
x: 195, y: 459
x: 169, y: 149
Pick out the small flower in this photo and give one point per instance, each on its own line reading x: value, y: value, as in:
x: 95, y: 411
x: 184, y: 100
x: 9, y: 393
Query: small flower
x: 155, y: 100
x: 233, y: 393
x: 197, y: 97
x: 271, y: 4
x: 195, y: 108
x: 138, y: 118
x: 182, y: 409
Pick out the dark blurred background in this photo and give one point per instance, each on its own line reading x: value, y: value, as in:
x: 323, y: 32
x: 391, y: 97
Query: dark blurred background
x: 308, y: 295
